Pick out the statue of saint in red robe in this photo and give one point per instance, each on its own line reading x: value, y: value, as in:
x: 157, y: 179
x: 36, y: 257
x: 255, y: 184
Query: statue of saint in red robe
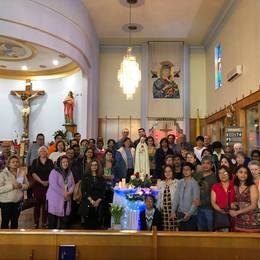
x: 68, y: 108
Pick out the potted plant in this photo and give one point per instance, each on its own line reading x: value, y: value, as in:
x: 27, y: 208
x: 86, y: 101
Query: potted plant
x: 117, y: 212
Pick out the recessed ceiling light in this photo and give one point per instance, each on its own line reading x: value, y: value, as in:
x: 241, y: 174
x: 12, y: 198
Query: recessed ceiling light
x: 55, y: 62
x: 24, y: 67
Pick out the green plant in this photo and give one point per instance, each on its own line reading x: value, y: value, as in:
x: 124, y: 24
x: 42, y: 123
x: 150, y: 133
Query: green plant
x: 63, y: 133
x: 117, y: 212
x: 136, y: 181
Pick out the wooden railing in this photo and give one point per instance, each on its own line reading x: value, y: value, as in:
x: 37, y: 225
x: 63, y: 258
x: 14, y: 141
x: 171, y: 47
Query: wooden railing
x: 126, y: 245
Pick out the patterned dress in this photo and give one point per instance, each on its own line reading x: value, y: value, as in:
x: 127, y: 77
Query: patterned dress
x: 168, y: 224
x: 249, y: 221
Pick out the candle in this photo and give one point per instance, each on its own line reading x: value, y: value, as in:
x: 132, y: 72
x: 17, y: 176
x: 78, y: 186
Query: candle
x: 123, y: 182
x: 120, y: 185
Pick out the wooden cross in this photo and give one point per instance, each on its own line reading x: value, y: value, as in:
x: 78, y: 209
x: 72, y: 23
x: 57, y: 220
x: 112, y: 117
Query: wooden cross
x: 165, y: 129
x: 26, y: 95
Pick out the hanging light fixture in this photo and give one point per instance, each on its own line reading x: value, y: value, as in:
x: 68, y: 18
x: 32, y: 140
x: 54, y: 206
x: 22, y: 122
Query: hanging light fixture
x: 129, y: 74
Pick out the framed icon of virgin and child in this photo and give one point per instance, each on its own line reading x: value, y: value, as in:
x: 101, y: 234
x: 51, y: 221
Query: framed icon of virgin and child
x: 165, y: 86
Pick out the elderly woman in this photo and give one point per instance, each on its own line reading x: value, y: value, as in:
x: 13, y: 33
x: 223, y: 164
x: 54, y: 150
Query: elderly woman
x: 61, y: 185
x: 13, y: 182
x: 40, y: 171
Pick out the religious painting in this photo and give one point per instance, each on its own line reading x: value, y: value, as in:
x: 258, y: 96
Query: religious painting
x: 14, y: 50
x: 165, y: 86
x: 165, y: 79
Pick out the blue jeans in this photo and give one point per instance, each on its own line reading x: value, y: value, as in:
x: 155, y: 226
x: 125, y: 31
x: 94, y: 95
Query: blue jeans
x: 205, y: 219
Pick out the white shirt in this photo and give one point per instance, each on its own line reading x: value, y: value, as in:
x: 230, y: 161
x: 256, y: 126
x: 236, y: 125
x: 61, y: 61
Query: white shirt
x: 55, y: 155
x: 198, y: 152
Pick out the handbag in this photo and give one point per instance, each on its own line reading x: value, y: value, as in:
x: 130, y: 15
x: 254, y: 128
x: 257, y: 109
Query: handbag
x: 28, y: 203
x: 222, y: 220
x: 77, y: 194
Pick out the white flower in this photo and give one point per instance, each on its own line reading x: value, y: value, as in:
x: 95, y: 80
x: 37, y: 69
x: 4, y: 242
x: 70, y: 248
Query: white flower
x: 132, y: 177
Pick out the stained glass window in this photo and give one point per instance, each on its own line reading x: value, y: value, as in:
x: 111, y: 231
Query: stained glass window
x: 218, y: 66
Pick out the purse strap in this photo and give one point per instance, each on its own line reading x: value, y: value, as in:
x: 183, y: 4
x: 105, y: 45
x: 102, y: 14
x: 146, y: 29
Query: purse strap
x: 229, y: 198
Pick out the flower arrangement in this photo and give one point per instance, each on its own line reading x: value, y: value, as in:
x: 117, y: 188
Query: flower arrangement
x: 139, y: 195
x: 117, y: 212
x: 138, y: 180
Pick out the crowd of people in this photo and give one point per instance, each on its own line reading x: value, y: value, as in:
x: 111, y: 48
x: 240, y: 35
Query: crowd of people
x: 206, y: 187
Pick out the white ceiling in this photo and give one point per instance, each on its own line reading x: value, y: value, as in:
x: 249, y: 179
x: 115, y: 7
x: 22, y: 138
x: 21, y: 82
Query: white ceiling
x: 14, y: 54
x: 38, y: 60
x: 188, y: 20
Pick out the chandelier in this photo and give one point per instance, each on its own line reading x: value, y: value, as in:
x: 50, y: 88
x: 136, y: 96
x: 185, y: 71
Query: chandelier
x: 129, y: 74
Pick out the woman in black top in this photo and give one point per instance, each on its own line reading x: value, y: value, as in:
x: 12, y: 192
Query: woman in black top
x: 151, y: 216
x: 40, y: 171
x: 93, y: 193
x: 160, y: 155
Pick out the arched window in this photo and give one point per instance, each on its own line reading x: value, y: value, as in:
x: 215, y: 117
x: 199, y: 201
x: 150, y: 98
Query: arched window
x: 218, y: 66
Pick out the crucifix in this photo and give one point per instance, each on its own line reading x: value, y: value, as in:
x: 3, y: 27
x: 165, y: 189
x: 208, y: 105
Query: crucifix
x: 166, y: 130
x: 26, y: 95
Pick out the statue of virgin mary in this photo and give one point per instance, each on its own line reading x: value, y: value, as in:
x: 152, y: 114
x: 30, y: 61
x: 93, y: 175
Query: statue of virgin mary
x: 142, y: 159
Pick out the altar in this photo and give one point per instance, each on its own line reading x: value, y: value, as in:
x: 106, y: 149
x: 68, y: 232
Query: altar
x: 132, y: 199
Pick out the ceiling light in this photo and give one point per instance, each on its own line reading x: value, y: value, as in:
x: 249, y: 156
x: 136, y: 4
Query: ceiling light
x: 24, y: 67
x: 129, y: 74
x: 63, y: 56
x: 134, y: 3
x: 133, y: 27
x: 55, y: 62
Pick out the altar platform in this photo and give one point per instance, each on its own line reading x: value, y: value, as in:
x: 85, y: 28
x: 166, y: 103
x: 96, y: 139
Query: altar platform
x: 128, y: 245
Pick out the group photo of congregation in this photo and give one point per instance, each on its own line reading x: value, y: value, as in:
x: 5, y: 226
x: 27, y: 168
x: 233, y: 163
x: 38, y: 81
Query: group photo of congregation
x: 206, y: 187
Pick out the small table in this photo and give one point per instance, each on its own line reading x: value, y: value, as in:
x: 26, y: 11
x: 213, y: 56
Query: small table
x: 132, y: 208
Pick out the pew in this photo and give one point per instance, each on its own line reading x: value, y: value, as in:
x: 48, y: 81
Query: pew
x: 126, y: 245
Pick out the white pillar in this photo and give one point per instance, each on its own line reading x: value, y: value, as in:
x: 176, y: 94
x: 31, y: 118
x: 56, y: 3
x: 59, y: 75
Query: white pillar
x: 84, y: 107
x: 186, y: 91
x: 144, y: 88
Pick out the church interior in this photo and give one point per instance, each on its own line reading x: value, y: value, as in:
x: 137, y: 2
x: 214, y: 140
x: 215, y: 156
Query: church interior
x: 113, y: 70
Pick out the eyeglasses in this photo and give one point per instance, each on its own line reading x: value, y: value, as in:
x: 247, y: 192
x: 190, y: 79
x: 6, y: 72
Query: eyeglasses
x: 94, y: 164
x: 224, y: 173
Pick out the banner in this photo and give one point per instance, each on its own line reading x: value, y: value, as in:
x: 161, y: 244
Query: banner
x: 165, y: 79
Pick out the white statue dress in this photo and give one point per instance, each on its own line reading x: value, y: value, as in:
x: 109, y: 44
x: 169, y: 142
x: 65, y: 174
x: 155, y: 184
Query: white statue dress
x: 142, y: 159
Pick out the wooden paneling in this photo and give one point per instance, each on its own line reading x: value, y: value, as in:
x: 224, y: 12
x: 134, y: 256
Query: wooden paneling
x: 19, y: 246
x: 197, y: 246
x: 129, y: 245
x: 112, y: 127
x: 240, y: 107
x: 241, y: 104
x: 193, y: 129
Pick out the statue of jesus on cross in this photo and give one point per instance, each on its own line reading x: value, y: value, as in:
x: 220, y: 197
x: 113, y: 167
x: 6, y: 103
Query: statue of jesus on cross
x: 26, y: 95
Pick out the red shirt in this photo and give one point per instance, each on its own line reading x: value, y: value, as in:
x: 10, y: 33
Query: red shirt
x: 222, y: 195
